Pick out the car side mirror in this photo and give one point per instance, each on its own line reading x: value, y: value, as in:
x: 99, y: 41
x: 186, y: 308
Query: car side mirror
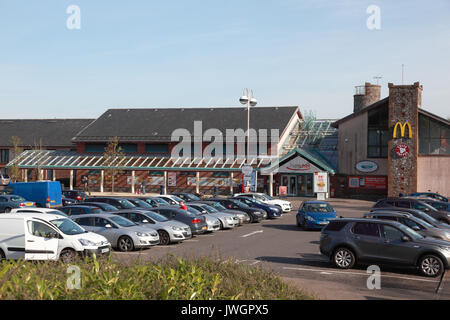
x: 108, y: 226
x: 415, y: 228
x: 427, y: 210
x: 405, y: 239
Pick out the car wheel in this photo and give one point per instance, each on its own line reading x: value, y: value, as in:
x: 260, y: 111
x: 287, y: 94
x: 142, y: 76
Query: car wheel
x: 125, y: 244
x: 344, y: 258
x: 2, y: 255
x: 221, y: 225
x: 431, y: 266
x: 7, y: 210
x: 67, y: 256
x: 164, y: 238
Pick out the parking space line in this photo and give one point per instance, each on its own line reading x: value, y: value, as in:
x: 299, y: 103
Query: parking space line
x: 251, y: 233
x: 191, y: 240
x: 357, y: 273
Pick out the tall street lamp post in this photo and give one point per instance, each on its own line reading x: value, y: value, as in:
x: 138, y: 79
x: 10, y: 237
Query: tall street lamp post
x: 250, y: 101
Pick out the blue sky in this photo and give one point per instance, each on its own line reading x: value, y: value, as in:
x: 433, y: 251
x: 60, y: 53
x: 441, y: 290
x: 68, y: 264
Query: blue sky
x: 203, y: 53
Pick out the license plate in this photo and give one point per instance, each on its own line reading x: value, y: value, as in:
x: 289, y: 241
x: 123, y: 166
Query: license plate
x: 29, y: 204
x: 204, y: 228
x: 323, y: 222
x: 105, y: 250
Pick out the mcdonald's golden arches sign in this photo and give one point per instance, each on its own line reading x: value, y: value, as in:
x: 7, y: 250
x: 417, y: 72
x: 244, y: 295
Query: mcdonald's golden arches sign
x: 402, y: 130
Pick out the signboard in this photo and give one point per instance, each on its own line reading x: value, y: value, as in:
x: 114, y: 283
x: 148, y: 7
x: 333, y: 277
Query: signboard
x: 366, y: 166
x: 209, y: 182
x: 298, y: 165
x: 403, y: 127
x: 367, y: 182
x: 320, y: 182
x: 249, y: 181
x: 282, y: 191
x: 155, y: 181
x: 402, y: 150
x: 171, y: 179
x: 353, y: 182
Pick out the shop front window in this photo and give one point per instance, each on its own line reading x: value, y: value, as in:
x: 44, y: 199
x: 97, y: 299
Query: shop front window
x: 378, y: 133
x: 434, y: 136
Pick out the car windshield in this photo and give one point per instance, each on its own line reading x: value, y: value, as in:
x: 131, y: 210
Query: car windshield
x: 17, y: 199
x: 421, y: 222
x: 241, y: 204
x: 177, y: 199
x: 192, y: 197
x: 57, y: 212
x: 126, y: 204
x: 410, y: 232
x: 209, y: 208
x: 193, y: 211
x: 123, y: 222
x: 161, y: 201
x: 265, y: 196
x: 67, y: 226
x: 217, y: 205
x: 156, y: 216
x: 107, y: 207
x: 318, y: 207
x: 141, y: 203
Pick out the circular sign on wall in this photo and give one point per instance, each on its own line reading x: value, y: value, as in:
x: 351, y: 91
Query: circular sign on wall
x: 402, y: 150
x: 366, y: 166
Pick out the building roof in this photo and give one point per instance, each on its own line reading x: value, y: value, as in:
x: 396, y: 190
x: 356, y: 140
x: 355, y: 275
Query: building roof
x: 158, y: 124
x: 377, y: 104
x: 44, y: 132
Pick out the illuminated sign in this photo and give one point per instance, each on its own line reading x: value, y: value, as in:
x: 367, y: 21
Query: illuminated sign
x: 402, y: 129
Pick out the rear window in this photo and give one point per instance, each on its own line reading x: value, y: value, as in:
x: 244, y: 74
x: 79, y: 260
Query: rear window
x: 336, y: 225
x: 95, y: 210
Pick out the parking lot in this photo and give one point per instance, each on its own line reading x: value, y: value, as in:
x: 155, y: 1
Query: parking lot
x: 294, y: 254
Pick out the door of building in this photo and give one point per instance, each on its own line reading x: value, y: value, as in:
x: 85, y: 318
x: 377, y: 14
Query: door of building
x: 290, y: 181
x: 305, y: 185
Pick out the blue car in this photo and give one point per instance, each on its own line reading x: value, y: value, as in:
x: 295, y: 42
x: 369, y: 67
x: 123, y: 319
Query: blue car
x: 272, y: 211
x: 436, y: 196
x: 315, y: 214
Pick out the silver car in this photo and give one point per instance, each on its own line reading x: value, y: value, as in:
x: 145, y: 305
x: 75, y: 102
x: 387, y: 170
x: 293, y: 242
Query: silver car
x: 212, y: 223
x: 170, y: 231
x: 123, y: 234
x: 227, y: 221
x: 241, y: 215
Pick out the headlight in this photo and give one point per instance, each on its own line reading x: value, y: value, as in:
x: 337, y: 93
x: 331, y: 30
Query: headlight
x: 310, y: 218
x: 141, y: 234
x: 177, y: 229
x: 86, y: 243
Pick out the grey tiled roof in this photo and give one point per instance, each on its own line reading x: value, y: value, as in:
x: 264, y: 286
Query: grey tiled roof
x: 157, y: 124
x: 52, y: 132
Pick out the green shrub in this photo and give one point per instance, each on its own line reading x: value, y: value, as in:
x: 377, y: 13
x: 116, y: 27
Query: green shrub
x: 170, y: 278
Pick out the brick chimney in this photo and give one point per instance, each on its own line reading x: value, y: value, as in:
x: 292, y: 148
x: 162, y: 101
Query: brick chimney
x: 366, y: 95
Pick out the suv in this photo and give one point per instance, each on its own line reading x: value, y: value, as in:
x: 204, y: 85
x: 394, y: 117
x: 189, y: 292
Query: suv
x: 348, y: 241
x: 413, y: 203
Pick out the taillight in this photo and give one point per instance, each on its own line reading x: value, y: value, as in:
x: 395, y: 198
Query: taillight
x: 78, y: 198
x: 22, y: 204
x: 196, y: 221
x: 48, y: 199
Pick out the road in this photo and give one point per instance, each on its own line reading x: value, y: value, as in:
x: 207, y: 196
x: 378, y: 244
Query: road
x: 294, y: 254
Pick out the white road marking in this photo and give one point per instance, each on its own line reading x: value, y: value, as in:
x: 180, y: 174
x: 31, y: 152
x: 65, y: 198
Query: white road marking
x: 191, y: 240
x: 357, y: 273
x: 252, y: 233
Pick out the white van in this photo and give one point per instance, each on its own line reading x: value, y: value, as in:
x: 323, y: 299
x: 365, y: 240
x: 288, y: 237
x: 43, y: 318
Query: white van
x: 32, y: 236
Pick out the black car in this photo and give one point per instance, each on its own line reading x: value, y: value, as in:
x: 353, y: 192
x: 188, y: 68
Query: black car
x: 68, y: 201
x: 349, y: 241
x: 119, y: 203
x: 155, y: 201
x: 102, y: 205
x: 438, y: 205
x: 187, y: 197
x: 416, y: 213
x: 80, y: 209
x: 256, y: 215
x: 195, y: 222
x: 77, y: 195
x: 412, y: 203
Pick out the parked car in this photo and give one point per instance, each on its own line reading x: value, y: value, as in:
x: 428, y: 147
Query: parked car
x: 170, y: 199
x: 419, y: 225
x: 256, y: 215
x: 81, y: 209
x: 155, y: 201
x: 226, y: 220
x: 46, y: 194
x: 119, y: 203
x: 272, y: 211
x: 213, y: 223
x: 67, y: 201
x: 285, y: 205
x: 416, y: 213
x: 349, y: 241
x: 433, y: 195
x: 187, y: 197
x: 314, y: 214
x: 241, y: 215
x: 141, y: 204
x: 170, y: 231
x: 122, y: 233
x: 101, y: 205
x: 405, y: 202
x: 196, y: 223
x: 9, y: 202
x: 39, y: 210
x: 438, y: 205
x: 47, y: 237
x: 77, y: 195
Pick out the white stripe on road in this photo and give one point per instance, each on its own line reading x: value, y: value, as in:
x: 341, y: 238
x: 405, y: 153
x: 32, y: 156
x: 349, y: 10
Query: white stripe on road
x: 356, y: 273
x: 190, y: 240
x: 252, y: 233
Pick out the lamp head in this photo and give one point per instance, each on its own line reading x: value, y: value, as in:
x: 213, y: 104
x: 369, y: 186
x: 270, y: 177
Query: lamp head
x: 243, y: 99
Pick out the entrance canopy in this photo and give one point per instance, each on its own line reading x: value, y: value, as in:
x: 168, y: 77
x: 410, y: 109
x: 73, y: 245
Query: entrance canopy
x: 71, y: 160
